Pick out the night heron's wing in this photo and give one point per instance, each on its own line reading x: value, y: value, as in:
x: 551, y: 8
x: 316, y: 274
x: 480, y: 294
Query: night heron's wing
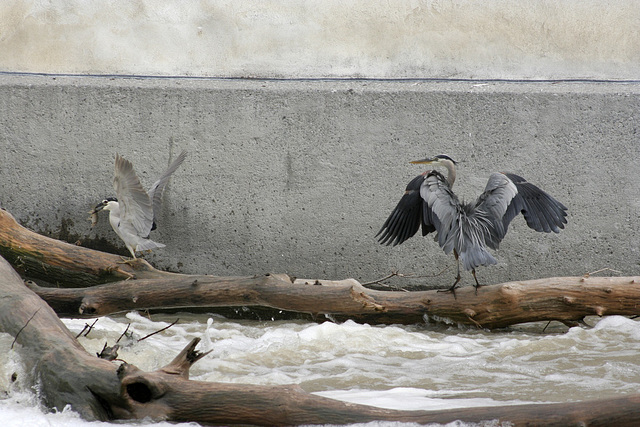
x: 406, y: 218
x: 156, y: 190
x: 136, y: 214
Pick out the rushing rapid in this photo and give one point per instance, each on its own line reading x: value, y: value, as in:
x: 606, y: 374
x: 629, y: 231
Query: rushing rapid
x: 399, y: 367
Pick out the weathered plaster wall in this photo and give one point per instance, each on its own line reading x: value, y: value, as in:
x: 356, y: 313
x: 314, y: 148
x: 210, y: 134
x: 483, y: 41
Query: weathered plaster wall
x: 512, y: 39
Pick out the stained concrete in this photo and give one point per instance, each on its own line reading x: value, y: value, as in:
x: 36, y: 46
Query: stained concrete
x: 509, y: 39
x: 298, y: 176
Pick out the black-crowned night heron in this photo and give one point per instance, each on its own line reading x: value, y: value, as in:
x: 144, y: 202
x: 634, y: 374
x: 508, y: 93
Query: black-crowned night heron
x: 467, y: 229
x: 132, y: 213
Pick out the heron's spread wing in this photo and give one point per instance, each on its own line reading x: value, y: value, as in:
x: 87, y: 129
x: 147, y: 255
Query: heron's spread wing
x: 156, y: 190
x: 136, y: 209
x: 506, y: 195
x: 541, y: 211
x: 470, y: 228
x: 499, y: 194
x: 407, y: 216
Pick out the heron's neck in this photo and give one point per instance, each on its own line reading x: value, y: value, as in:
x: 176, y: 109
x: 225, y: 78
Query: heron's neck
x: 451, y: 171
x: 114, y: 214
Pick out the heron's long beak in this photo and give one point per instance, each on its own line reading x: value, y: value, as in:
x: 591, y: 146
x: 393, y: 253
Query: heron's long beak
x: 427, y: 161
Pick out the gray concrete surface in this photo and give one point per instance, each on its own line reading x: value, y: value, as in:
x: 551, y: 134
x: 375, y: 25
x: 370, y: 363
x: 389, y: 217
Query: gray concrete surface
x: 298, y: 176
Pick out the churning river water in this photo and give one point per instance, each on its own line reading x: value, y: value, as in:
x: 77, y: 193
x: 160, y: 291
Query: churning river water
x: 402, y: 367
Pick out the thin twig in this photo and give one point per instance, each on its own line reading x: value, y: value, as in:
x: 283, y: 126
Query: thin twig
x: 377, y: 281
x: 86, y: 326
x: 25, y: 325
x: 395, y: 273
x: 124, y: 333
x: 163, y: 329
x: 91, y: 327
x: 83, y: 329
x: 601, y: 270
x: 392, y: 287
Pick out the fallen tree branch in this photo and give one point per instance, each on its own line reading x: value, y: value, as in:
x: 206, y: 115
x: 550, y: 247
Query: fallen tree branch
x: 565, y: 299
x: 60, y: 263
x: 98, y: 389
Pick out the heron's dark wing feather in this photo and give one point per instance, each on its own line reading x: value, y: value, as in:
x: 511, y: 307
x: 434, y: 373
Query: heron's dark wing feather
x: 495, y: 202
x: 136, y: 214
x: 507, y: 195
x: 156, y: 190
x: 541, y: 211
x: 406, y: 218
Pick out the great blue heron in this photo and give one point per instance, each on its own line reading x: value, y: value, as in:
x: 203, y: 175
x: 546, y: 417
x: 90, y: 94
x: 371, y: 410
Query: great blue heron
x: 467, y: 229
x: 132, y: 213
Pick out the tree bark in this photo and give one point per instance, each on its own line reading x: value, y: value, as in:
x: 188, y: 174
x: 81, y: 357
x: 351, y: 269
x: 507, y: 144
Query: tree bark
x: 50, y: 353
x: 565, y: 299
x: 98, y: 389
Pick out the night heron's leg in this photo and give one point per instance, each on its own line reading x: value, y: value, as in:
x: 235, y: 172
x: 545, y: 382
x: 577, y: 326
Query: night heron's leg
x: 131, y: 260
x: 128, y: 261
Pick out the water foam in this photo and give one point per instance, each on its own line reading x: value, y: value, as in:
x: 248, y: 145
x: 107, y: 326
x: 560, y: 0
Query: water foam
x: 398, y: 367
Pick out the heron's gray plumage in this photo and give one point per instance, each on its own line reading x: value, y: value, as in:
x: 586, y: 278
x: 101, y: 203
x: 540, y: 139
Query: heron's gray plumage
x: 468, y: 229
x: 133, y: 212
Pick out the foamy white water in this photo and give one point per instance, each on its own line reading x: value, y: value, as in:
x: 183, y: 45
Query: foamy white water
x: 399, y: 367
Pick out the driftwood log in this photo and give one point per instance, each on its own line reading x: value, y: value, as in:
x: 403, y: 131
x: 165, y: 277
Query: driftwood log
x: 102, y: 390
x: 103, y: 284
x: 566, y: 299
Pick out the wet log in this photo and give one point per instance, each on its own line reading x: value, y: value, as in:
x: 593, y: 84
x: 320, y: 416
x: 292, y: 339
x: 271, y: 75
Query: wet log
x: 565, y: 299
x: 61, y: 263
x: 229, y: 404
x: 67, y: 374
x: 102, y: 390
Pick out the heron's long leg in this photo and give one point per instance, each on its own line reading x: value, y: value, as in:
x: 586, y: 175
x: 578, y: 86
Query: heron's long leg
x: 473, y: 271
x: 452, y: 289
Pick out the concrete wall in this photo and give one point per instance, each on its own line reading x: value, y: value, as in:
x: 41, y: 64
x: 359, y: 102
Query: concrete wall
x: 298, y: 177
x: 512, y: 39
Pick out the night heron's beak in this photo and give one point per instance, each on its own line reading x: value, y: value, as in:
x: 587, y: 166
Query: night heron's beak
x: 98, y: 207
x: 93, y: 213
